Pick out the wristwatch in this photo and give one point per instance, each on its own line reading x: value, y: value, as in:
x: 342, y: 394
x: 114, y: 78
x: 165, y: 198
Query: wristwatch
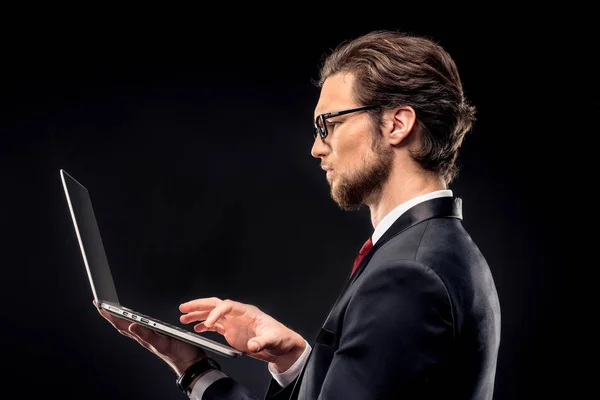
x: 193, y: 371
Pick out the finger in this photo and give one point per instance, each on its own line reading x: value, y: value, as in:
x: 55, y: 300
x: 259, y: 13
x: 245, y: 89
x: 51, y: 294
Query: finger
x: 220, y: 311
x: 149, y: 338
x: 194, y: 316
x: 215, y: 328
x: 140, y: 332
x: 259, y: 343
x: 120, y: 324
x: 199, y: 304
x: 203, y: 328
x: 219, y: 328
x: 139, y: 337
x: 127, y: 328
x: 126, y: 332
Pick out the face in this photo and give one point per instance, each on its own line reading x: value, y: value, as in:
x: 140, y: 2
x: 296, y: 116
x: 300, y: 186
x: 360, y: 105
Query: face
x: 353, y: 154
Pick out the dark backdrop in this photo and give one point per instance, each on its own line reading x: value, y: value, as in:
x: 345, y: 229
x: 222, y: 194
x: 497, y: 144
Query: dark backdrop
x: 195, y: 147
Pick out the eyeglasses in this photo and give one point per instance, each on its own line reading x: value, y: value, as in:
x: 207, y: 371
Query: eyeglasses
x: 321, y: 125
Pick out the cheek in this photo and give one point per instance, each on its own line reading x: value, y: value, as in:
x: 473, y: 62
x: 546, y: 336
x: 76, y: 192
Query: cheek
x: 349, y: 156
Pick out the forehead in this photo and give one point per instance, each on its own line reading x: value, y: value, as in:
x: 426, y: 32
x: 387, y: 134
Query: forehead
x: 336, y: 93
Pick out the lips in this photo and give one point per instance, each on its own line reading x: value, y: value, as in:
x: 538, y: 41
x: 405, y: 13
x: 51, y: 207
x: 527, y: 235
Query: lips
x: 329, y: 172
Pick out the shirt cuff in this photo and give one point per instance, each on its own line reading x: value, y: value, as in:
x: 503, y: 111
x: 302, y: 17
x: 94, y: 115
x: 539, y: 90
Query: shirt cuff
x: 287, y: 377
x: 204, y: 382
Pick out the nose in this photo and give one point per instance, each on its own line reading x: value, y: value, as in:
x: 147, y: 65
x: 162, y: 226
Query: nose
x: 319, y: 149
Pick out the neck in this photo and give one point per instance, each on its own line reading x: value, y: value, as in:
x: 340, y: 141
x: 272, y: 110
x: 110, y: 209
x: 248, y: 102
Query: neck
x: 399, y: 188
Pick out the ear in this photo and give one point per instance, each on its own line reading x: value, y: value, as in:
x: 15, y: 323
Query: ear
x: 400, y: 123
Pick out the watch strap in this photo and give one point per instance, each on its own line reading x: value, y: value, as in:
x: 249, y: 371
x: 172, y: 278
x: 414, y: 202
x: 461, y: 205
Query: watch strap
x: 193, y: 371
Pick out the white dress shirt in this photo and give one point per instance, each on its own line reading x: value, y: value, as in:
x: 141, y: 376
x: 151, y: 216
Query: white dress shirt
x: 286, y: 377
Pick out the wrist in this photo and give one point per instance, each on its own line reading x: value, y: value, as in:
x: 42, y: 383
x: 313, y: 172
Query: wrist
x: 194, y: 372
x: 181, y: 367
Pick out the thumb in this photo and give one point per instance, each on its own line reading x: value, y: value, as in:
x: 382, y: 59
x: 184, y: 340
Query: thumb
x: 139, y: 331
x: 258, y: 343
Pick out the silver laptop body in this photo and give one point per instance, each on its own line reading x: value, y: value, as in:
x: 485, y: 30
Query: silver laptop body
x: 100, y: 277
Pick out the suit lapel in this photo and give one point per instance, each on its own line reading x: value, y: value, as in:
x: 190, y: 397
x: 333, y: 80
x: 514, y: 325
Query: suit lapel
x: 442, y: 207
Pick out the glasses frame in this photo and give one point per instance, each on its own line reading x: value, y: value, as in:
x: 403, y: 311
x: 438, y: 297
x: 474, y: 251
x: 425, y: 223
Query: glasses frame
x: 322, y: 129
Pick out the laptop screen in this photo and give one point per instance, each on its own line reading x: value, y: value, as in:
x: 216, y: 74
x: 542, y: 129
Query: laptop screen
x: 90, y: 242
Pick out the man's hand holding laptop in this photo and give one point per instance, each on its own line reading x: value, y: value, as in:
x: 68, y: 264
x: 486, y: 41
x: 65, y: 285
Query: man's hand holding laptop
x: 244, y: 326
x: 178, y: 354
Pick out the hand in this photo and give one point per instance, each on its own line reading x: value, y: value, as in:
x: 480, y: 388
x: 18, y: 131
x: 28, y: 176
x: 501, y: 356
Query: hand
x: 178, y: 354
x: 246, y: 328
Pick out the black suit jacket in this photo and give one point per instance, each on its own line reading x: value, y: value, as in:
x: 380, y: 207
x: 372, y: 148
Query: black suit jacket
x: 419, y: 319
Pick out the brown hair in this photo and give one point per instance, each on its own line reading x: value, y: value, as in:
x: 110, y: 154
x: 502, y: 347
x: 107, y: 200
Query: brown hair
x: 395, y: 69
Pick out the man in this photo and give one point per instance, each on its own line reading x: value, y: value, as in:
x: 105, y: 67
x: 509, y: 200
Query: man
x: 419, y: 316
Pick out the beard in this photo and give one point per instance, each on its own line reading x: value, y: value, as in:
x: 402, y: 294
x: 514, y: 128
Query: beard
x: 354, y: 188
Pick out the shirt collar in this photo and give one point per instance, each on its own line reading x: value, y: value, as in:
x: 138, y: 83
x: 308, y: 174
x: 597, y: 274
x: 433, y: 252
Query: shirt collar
x: 393, y: 215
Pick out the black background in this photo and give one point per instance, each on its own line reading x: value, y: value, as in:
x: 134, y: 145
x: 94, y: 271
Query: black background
x: 194, y: 142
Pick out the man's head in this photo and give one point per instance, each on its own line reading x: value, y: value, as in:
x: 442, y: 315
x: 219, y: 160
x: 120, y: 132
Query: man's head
x: 419, y: 119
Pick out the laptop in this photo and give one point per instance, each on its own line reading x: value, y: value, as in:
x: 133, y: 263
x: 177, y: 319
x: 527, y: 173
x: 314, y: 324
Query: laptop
x: 100, y: 277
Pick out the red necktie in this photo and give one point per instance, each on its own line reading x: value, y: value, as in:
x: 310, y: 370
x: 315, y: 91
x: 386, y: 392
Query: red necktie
x: 362, y: 253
